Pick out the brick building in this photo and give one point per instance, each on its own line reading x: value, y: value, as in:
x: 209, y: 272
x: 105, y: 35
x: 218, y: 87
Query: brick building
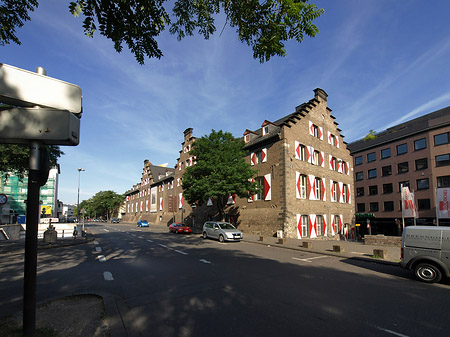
x: 302, y: 163
x: 414, y: 154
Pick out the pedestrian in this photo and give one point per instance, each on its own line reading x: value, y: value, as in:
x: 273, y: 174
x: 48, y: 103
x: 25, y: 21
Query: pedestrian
x: 75, y: 232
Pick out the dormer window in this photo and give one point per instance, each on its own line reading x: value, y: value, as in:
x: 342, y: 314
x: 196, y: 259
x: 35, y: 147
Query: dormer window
x: 246, y: 138
x: 265, y: 130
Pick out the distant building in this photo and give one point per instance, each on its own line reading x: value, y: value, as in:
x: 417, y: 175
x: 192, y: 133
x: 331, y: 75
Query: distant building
x: 68, y: 212
x: 302, y: 162
x: 414, y: 154
x: 16, y: 192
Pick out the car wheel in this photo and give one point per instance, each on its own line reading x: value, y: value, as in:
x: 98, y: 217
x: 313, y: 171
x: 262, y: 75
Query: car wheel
x: 204, y: 235
x: 427, y: 272
x: 221, y: 238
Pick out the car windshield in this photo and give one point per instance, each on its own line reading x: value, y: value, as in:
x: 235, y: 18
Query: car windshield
x: 226, y: 225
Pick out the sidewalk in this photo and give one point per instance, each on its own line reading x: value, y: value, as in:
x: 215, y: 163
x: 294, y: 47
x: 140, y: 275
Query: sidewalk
x: 348, y: 249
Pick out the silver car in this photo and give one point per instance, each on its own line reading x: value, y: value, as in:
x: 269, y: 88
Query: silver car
x: 223, y: 231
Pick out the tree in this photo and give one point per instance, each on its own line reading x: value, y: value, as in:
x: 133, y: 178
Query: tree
x: 220, y: 171
x: 103, y: 203
x: 264, y: 26
x: 371, y: 135
x: 14, y: 159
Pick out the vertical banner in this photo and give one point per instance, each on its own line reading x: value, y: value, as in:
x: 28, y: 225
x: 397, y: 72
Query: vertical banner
x: 408, y: 205
x: 442, y: 201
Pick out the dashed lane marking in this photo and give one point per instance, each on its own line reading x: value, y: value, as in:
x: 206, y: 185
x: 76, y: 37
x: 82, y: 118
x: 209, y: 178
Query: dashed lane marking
x: 180, y: 252
x: 98, y: 249
x: 391, y: 332
x: 308, y: 259
x: 101, y: 258
x: 95, y: 242
x: 160, y: 244
x: 150, y: 240
x: 205, y: 261
x: 108, y: 276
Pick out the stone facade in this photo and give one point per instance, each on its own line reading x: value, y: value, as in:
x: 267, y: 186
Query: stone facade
x: 303, y: 164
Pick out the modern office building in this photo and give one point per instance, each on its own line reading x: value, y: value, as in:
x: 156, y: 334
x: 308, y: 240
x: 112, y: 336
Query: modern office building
x: 414, y: 154
x: 303, y: 165
x: 16, y: 191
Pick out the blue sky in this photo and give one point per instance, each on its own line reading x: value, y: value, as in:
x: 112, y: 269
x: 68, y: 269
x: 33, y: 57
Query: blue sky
x: 381, y: 62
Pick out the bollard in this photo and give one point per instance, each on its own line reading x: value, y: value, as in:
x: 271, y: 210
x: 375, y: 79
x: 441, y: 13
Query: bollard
x: 62, y: 236
x: 281, y: 241
x: 261, y: 238
x: 307, y: 244
x: 338, y: 249
x: 381, y: 253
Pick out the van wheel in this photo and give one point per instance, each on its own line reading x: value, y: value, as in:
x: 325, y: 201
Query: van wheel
x: 221, y: 238
x: 427, y: 272
x: 204, y: 235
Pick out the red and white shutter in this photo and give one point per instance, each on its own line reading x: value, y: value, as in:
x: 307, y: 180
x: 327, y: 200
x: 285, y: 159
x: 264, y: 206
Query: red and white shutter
x: 179, y: 166
x: 160, y: 203
x: 267, y: 187
x: 333, y: 233
x: 329, y: 138
x: 297, y: 150
x: 309, y: 154
x: 347, y: 169
x: 348, y: 194
x: 299, y: 226
x: 231, y: 199
x: 332, y: 191
x: 264, y: 155
x: 252, y: 196
x: 330, y: 161
x: 132, y: 208
x: 142, y: 206
x: 339, y: 165
x: 312, y: 226
x: 324, y: 190
x: 146, y: 205
x: 320, y: 133
x: 253, y: 158
x: 325, y: 229
x: 178, y: 182
x: 311, y: 187
x: 298, y: 184
x: 337, y: 141
x: 341, y: 192
x: 128, y: 208
x: 341, y: 222
x: 311, y: 128
x: 180, y: 200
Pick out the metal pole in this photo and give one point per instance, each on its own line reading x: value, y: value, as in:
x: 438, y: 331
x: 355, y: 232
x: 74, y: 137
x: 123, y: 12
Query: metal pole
x: 78, y: 200
x: 30, y: 263
x: 436, y: 205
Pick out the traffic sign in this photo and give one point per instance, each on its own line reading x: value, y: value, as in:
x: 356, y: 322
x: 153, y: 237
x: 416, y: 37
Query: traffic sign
x: 3, y: 199
x: 20, y: 87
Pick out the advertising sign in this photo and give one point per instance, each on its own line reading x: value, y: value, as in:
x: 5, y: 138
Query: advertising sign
x: 443, y: 196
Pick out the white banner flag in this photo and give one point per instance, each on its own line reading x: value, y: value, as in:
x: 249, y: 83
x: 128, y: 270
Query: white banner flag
x: 443, y: 196
x: 408, y: 205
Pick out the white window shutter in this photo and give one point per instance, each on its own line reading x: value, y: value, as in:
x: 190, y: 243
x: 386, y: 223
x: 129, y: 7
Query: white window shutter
x: 322, y: 158
x: 252, y: 158
x: 311, y: 128
x: 325, y: 229
x: 267, y: 187
x: 312, y: 226
x: 298, y: 185
x: 299, y: 226
x: 180, y: 200
x: 160, y: 203
x: 312, y: 187
x: 264, y: 155
x: 333, y: 233
x: 297, y: 150
x: 348, y: 194
x: 324, y: 190
x: 320, y: 133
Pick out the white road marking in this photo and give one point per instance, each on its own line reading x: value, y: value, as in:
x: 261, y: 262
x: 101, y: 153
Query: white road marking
x: 108, y: 276
x: 140, y: 237
x: 159, y: 244
x: 204, y: 261
x: 149, y: 240
x: 308, y: 259
x: 98, y: 249
x: 359, y: 253
x: 181, y: 252
x: 391, y: 332
x: 95, y: 242
x: 101, y: 258
x: 105, y: 230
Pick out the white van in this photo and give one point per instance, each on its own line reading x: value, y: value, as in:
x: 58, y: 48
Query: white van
x: 426, y: 250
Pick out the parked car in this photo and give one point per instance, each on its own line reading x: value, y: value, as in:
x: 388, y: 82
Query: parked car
x: 426, y: 250
x: 223, y: 231
x: 115, y: 221
x: 142, y: 223
x: 179, y: 227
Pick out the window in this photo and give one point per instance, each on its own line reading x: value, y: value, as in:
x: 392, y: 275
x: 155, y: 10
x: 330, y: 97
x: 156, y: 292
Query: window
x: 316, y: 157
x: 361, y: 208
x: 372, y: 173
x: 359, y: 191
x: 319, y: 222
x: 420, y: 144
x: 265, y: 130
x: 371, y: 157
x: 316, y: 131
x: 443, y: 160
x: 335, y: 191
x: 388, y: 206
x: 423, y: 184
x: 259, y: 156
x: 359, y: 176
x: 402, y: 149
x: 387, y: 188
x: 373, y: 206
x: 423, y: 204
x: 334, y: 164
x: 247, y: 138
x: 443, y: 138
x: 385, y: 153
x: 303, y: 186
x: 386, y: 171
x: 373, y: 190
x: 337, y: 222
x: 421, y: 164
x: 304, y: 226
x: 333, y: 140
x: 260, y: 182
x: 345, y: 193
x: 403, y: 167
x: 302, y: 152
x: 319, y: 195
x: 443, y: 181
x: 358, y: 160
x: 404, y: 184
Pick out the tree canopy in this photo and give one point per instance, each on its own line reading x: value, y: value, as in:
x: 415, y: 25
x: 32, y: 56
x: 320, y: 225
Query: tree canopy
x: 263, y: 25
x: 220, y: 171
x: 103, y: 204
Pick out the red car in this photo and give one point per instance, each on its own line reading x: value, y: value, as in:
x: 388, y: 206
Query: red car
x: 178, y: 227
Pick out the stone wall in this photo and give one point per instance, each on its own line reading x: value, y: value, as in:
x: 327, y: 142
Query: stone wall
x: 382, y: 240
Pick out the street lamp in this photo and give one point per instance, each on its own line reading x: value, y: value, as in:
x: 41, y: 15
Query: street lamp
x: 78, y: 200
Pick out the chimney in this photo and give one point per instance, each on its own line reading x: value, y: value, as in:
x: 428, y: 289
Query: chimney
x: 187, y: 134
x: 320, y: 94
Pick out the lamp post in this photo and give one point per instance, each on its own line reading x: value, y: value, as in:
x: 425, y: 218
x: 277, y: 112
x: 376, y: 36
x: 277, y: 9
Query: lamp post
x: 78, y: 200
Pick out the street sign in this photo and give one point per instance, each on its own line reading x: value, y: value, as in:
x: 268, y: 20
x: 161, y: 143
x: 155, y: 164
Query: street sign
x: 49, y: 126
x: 46, y: 209
x: 24, y: 88
x: 3, y: 199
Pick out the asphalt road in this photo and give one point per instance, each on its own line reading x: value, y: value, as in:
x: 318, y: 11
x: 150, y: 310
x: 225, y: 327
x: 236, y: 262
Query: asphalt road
x: 181, y: 285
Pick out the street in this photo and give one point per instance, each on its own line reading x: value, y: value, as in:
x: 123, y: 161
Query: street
x: 181, y: 285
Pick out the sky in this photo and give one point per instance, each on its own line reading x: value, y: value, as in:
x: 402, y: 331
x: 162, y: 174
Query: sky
x: 381, y: 62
